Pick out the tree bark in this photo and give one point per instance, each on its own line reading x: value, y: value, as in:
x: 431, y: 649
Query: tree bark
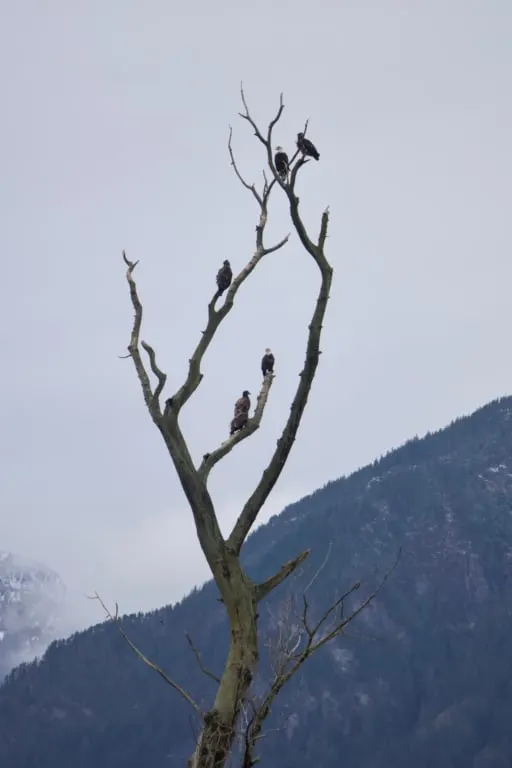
x: 219, y: 731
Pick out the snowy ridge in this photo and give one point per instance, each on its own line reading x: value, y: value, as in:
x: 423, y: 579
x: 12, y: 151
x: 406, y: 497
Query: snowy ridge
x: 31, y: 601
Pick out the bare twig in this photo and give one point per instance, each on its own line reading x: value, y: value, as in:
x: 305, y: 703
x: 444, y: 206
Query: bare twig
x: 200, y: 661
x: 248, y: 186
x: 246, y: 115
x: 142, y: 657
x: 319, y: 570
x: 211, y: 459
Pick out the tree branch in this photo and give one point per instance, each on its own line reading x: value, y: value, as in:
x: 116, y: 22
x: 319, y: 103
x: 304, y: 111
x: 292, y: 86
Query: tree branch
x: 133, y: 347
x: 207, y: 526
x: 263, y: 589
x: 211, y: 459
x: 248, y: 186
x: 143, y: 658
x: 199, y: 660
x: 162, y: 377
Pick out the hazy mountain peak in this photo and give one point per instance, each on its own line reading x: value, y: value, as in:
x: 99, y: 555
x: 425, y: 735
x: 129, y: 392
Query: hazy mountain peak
x: 31, y: 600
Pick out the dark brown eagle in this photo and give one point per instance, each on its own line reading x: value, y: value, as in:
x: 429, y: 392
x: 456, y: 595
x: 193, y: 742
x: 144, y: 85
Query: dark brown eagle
x: 241, y: 417
x: 307, y: 147
x: 224, y: 277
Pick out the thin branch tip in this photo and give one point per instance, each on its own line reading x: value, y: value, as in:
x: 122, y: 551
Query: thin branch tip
x: 115, y: 618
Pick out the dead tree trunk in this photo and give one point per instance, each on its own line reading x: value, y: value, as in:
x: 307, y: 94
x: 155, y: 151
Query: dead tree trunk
x: 219, y: 729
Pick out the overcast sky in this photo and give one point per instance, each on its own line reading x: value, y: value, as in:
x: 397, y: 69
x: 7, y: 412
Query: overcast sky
x: 113, y: 134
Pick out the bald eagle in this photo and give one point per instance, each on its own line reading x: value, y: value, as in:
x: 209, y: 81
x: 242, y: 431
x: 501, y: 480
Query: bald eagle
x: 281, y: 162
x: 307, y: 147
x: 224, y: 277
x: 267, y: 362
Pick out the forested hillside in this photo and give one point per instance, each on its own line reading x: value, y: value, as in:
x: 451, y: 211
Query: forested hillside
x: 423, y: 677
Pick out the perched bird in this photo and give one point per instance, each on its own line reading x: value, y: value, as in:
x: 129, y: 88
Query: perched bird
x: 224, y: 277
x: 243, y: 403
x: 281, y: 162
x: 241, y: 416
x: 267, y: 362
x: 239, y: 422
x: 307, y: 147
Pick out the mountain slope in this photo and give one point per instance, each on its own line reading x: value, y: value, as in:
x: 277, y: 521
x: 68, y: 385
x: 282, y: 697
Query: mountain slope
x: 423, y: 677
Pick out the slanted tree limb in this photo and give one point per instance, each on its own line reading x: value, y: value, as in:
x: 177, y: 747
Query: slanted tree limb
x: 263, y: 589
x: 196, y: 653
x: 211, y: 459
x: 142, y: 657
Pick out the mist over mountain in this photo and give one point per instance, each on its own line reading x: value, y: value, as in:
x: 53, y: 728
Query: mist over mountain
x: 423, y: 677
x: 32, y: 599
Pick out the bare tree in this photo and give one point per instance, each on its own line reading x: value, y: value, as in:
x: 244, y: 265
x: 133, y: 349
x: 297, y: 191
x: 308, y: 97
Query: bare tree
x: 239, y: 593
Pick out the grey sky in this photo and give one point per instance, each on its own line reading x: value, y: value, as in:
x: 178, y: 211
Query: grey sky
x: 113, y: 135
